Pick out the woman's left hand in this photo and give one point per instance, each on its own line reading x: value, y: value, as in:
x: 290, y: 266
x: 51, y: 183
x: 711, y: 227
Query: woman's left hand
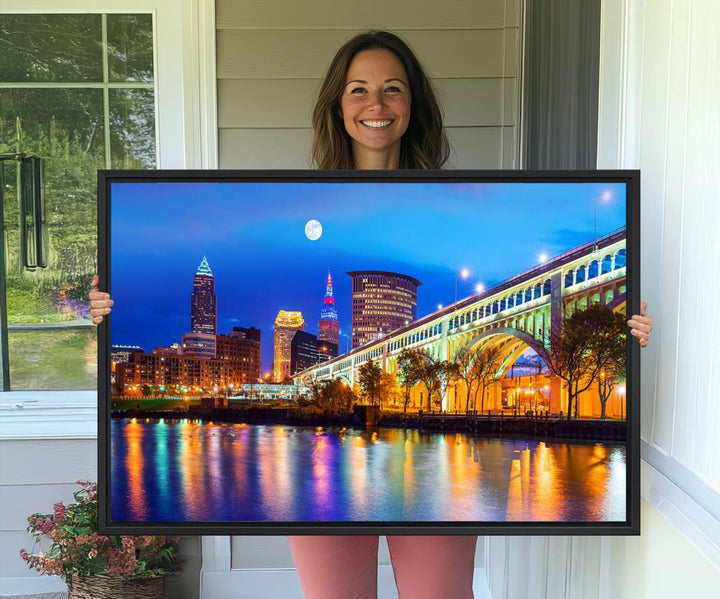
x: 641, y: 325
x: 100, y: 302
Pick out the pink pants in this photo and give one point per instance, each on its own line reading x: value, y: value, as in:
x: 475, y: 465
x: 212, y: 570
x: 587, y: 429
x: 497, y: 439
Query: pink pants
x: 337, y: 567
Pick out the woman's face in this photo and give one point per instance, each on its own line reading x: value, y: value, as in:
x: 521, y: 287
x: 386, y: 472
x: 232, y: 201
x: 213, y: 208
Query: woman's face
x: 375, y: 106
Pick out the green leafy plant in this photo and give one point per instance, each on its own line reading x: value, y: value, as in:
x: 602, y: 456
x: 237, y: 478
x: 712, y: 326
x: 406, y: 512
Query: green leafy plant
x: 77, y: 550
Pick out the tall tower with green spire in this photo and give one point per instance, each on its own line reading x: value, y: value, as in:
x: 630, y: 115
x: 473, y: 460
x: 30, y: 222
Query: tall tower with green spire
x: 203, y: 301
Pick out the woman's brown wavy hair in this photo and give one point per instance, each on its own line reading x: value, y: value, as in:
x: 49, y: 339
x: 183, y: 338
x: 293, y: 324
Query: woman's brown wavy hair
x: 424, y: 144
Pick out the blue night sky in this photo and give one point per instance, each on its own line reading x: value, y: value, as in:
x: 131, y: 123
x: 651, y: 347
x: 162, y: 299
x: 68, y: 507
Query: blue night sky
x: 254, y: 240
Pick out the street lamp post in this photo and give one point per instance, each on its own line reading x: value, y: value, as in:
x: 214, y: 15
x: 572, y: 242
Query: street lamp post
x: 347, y: 341
x: 604, y: 196
x: 463, y: 274
x: 621, y: 393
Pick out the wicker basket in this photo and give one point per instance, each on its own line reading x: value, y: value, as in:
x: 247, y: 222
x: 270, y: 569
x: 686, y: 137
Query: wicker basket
x: 116, y: 587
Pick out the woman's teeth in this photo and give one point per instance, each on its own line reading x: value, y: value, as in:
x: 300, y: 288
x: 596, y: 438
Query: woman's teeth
x: 376, y: 124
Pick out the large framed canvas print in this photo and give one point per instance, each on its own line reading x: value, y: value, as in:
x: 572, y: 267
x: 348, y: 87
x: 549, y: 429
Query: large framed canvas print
x: 388, y: 352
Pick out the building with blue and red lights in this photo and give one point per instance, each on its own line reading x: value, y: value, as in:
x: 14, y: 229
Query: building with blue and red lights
x: 329, y: 325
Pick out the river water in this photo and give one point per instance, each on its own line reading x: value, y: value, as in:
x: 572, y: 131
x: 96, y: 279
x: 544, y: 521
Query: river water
x: 180, y: 470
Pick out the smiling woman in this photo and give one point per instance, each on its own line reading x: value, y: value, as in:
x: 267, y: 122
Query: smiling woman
x: 377, y: 109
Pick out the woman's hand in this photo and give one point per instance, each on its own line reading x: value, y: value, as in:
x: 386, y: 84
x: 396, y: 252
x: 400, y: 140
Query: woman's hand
x: 641, y: 325
x: 100, y: 302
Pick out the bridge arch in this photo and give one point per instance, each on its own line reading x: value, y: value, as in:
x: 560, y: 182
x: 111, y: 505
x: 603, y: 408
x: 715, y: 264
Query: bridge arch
x: 619, y: 259
x: 512, y: 342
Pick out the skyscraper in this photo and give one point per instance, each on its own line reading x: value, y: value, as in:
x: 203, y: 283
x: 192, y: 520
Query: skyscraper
x: 244, y: 354
x: 303, y: 351
x: 203, y: 301
x: 329, y: 325
x: 381, y: 302
x: 286, y: 324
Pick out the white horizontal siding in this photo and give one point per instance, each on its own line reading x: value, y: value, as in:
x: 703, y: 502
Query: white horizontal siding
x: 331, y: 14
x: 271, y: 59
x: 270, y: 54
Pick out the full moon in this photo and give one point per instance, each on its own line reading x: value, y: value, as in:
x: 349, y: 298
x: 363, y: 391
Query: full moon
x: 313, y: 230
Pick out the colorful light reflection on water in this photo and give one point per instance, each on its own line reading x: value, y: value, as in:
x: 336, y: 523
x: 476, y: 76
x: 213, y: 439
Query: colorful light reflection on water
x: 204, y: 472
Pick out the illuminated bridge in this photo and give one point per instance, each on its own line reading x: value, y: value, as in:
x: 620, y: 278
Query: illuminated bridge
x: 515, y: 315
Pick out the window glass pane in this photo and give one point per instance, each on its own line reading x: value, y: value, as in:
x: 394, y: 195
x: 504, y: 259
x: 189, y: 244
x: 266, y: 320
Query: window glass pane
x: 53, y: 121
x: 50, y: 48
x: 130, y: 47
x: 52, y: 343
x: 65, y: 128
x: 53, y: 359
x: 132, y: 128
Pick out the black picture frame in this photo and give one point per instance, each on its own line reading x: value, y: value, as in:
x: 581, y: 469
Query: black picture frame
x: 630, y: 526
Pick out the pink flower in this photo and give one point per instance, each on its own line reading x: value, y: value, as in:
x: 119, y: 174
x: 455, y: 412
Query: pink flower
x: 59, y: 512
x: 121, y: 562
x: 44, y: 526
x: 128, y: 542
x: 53, y: 565
x: 72, y: 554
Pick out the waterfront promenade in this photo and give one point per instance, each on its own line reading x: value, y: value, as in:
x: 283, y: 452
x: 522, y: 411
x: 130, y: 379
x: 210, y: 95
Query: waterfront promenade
x: 540, y: 424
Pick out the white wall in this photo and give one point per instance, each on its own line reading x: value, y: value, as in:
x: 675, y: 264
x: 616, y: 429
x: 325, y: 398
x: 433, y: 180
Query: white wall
x: 659, y: 90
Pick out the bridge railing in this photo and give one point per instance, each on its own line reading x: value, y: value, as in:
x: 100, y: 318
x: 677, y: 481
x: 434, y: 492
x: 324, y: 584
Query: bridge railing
x: 577, y: 252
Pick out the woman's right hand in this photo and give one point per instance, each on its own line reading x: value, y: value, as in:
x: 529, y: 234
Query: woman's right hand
x: 100, y: 302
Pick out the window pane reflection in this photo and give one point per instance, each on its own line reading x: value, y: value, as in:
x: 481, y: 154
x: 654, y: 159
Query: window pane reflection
x: 38, y: 48
x: 132, y: 128
x: 130, y: 47
x: 59, y: 359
